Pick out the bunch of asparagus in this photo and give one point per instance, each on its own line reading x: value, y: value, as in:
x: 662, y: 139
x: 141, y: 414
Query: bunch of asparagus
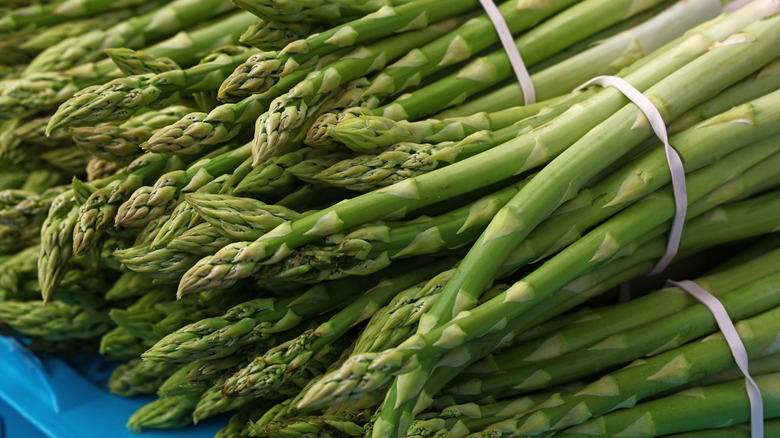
x: 333, y: 218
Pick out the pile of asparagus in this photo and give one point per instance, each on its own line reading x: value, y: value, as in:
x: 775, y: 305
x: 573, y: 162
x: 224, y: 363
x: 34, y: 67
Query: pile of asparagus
x: 336, y: 218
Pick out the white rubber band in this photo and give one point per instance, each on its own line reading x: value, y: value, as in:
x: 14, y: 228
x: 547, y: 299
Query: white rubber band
x: 737, y: 350
x: 529, y: 94
x: 672, y: 157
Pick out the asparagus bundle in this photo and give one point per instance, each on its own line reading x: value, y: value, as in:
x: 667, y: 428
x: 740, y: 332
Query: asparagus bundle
x: 436, y: 300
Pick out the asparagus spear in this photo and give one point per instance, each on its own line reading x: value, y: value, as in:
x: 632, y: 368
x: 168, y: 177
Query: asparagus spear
x: 172, y: 412
x: 34, y: 131
x: 202, y: 239
x: 137, y: 62
x: 239, y: 218
x: 162, y: 264
x: 372, y: 247
x: 272, y: 176
x: 660, y: 336
x: 183, y: 217
x: 763, y: 82
x: 238, y: 425
x: 55, y: 320
x: 463, y: 418
x: 139, y: 377
x: 460, y: 357
x: 368, y: 132
x: 120, y: 345
x: 120, y: 142
x: 606, y: 58
x: 41, y: 39
x: 275, y: 35
x: 420, y: 191
x: 56, y: 246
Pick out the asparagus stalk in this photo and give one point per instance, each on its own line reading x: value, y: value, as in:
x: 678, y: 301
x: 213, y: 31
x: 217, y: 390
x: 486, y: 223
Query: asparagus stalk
x: 56, y: 246
x: 372, y: 247
x: 453, y: 362
x: 184, y: 217
x: 238, y: 425
x: 608, y: 57
x: 202, y: 239
x: 272, y: 176
x: 407, y: 160
x: 120, y: 142
x: 127, y: 286
x: 162, y: 264
x: 763, y: 82
x: 660, y: 336
x: 137, y: 62
x: 41, y: 39
x: 55, y: 320
x: 34, y: 131
x: 368, y: 132
x: 460, y: 419
x: 239, y: 218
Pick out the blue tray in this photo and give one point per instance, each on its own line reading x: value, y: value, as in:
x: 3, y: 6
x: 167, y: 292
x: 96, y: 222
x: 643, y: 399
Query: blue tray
x: 44, y: 396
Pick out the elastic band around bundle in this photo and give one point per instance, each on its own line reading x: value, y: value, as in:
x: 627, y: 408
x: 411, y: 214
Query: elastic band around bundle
x: 529, y: 94
x: 672, y: 158
x: 737, y: 350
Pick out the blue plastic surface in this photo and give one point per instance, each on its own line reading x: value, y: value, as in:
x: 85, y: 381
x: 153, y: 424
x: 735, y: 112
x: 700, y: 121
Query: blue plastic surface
x: 43, y: 396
